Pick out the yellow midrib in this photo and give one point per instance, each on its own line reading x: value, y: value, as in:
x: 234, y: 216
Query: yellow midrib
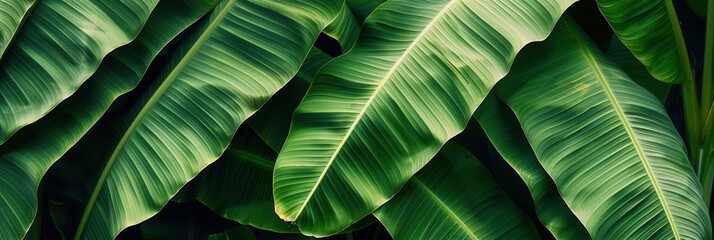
x: 368, y: 103
x: 628, y: 127
x: 169, y: 79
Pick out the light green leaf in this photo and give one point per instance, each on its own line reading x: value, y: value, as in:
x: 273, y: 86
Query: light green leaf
x: 30, y: 153
x: 58, y: 47
x: 345, y: 29
x: 454, y: 197
x: 650, y: 30
x: 272, y: 121
x: 13, y: 13
x: 506, y: 135
x: 375, y: 116
x: 619, y: 54
x: 219, y: 75
x: 608, y: 144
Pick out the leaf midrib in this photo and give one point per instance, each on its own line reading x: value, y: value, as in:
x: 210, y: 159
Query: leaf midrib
x: 132, y: 128
x: 630, y: 132
x: 443, y: 206
x: 388, y: 75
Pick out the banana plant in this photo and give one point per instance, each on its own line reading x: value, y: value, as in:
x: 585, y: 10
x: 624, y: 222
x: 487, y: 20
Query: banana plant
x: 345, y: 119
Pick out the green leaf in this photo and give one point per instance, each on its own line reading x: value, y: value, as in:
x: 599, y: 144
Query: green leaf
x: 650, y: 30
x: 13, y: 16
x: 59, y: 46
x: 30, y: 153
x: 375, y: 116
x: 608, y: 144
x: 219, y: 75
x: 506, y: 135
x: 619, y: 54
x: 345, y: 29
x: 454, y: 197
x: 238, y: 185
x: 363, y: 8
x: 272, y: 121
x: 699, y: 7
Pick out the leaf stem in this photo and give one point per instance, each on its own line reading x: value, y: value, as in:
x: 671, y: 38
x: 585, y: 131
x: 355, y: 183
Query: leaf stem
x: 708, y: 106
x: 692, y: 116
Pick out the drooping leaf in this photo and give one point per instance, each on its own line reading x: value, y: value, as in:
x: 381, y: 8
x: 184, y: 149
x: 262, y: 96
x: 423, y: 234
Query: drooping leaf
x: 619, y: 54
x: 651, y: 31
x: 58, y: 47
x: 454, y: 197
x: 608, y: 144
x: 506, y: 135
x: 272, y: 121
x: 698, y: 7
x: 345, y: 29
x: 30, y: 153
x: 375, y: 116
x: 12, y: 16
x: 219, y: 75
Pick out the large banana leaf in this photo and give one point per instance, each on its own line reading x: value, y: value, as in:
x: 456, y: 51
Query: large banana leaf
x: 619, y: 54
x: 454, y: 197
x: 378, y: 114
x: 272, y: 121
x: 31, y: 152
x: 238, y: 185
x: 650, y: 30
x: 13, y: 13
x: 607, y: 143
x: 219, y: 75
x: 58, y: 47
x: 506, y: 135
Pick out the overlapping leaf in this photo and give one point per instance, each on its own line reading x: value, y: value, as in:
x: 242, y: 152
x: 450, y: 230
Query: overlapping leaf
x: 59, y: 46
x: 607, y: 143
x: 506, y: 135
x: 26, y: 158
x: 13, y: 14
x: 272, y: 121
x: 378, y: 114
x: 454, y: 197
x: 650, y: 30
x: 219, y: 75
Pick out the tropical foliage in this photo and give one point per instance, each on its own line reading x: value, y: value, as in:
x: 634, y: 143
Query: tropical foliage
x: 366, y: 119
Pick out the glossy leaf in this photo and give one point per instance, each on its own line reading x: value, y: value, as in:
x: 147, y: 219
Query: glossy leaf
x: 363, y: 8
x: 454, y: 197
x: 608, y: 144
x: 506, y: 135
x: 30, y: 153
x: 378, y: 114
x: 619, y: 54
x: 345, y: 29
x: 650, y: 30
x: 13, y: 13
x: 219, y: 75
x: 59, y: 46
x: 272, y: 121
